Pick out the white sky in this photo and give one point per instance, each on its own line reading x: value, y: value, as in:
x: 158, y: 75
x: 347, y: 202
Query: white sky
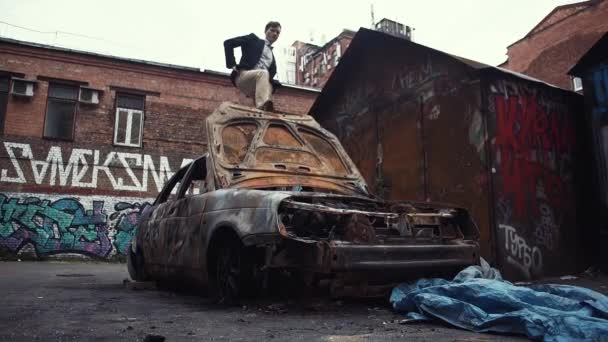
x: 190, y: 32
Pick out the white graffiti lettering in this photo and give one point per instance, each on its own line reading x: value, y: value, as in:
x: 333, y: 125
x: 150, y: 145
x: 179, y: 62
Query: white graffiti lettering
x: 26, y: 152
x: 124, y: 157
x: 519, y: 254
x: 546, y: 232
x: 78, y: 175
x: 82, y: 172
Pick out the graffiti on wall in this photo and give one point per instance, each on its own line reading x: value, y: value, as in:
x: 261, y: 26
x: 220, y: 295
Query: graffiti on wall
x: 535, y: 146
x: 84, y: 168
x: 534, y: 149
x: 42, y: 226
x: 527, y: 259
x: 409, y: 77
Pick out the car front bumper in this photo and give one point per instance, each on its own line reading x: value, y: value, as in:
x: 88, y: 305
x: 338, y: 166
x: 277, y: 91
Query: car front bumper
x: 337, y: 256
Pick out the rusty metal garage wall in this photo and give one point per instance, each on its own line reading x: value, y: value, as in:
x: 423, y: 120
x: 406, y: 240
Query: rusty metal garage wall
x: 411, y: 119
x: 533, y: 130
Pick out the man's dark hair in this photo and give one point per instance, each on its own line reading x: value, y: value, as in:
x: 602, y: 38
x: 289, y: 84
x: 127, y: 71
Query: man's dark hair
x: 272, y: 24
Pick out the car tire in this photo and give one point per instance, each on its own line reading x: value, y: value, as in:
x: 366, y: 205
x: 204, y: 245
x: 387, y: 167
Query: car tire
x: 233, y: 273
x: 135, y: 264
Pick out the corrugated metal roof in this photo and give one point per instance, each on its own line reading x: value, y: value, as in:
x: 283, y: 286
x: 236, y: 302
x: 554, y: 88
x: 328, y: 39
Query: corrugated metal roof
x: 365, y: 37
x: 481, y: 66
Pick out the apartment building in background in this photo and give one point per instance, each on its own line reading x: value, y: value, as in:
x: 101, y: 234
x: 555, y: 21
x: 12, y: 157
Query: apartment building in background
x: 314, y: 64
x: 558, y: 41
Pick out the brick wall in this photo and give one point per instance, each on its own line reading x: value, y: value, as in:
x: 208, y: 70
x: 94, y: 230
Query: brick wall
x: 84, y: 196
x: 558, y: 42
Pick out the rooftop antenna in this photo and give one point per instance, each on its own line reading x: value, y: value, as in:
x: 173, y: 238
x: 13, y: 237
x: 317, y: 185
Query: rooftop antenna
x: 373, y: 19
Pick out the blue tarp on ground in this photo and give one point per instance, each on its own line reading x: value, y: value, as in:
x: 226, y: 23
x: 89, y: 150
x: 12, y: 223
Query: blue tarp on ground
x: 478, y: 299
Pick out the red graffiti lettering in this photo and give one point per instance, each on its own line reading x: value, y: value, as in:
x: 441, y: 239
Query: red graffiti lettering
x: 535, y: 145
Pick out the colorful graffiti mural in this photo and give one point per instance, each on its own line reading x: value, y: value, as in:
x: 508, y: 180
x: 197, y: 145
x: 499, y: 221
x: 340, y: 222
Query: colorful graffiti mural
x: 42, y: 226
x: 534, y: 150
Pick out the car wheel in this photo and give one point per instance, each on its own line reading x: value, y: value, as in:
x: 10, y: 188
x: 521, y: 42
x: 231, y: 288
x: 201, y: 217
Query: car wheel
x: 234, y: 276
x: 135, y: 264
x: 228, y: 273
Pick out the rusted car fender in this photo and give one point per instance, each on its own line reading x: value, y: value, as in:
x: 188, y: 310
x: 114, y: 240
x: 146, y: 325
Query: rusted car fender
x: 246, y: 212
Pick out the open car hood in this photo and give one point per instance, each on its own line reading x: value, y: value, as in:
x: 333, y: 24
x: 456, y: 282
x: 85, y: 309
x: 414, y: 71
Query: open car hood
x: 251, y: 148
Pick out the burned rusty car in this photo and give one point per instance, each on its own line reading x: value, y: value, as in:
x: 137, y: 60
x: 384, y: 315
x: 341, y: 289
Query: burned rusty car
x: 277, y: 194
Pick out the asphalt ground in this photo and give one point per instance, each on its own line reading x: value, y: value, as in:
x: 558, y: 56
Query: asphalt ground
x: 86, y: 301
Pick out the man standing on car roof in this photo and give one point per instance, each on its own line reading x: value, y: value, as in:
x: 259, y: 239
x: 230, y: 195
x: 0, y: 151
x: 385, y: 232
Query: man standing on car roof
x: 257, y: 67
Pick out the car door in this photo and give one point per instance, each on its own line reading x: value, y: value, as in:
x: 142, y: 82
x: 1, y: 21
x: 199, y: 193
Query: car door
x: 182, y: 233
x: 152, y: 227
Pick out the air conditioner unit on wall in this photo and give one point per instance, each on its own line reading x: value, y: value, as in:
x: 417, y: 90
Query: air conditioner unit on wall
x: 88, y: 95
x: 22, y: 87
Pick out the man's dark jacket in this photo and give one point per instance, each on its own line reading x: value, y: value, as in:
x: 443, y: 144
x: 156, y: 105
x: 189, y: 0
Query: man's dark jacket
x: 251, y: 48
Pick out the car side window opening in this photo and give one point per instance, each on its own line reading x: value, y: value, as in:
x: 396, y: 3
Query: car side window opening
x: 194, y: 179
x: 209, y: 179
x: 169, y: 191
x: 191, y: 176
x: 171, y: 185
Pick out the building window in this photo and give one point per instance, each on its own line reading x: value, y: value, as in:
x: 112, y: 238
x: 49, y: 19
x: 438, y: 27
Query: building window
x: 129, y: 122
x: 4, y: 86
x: 60, y: 111
x: 291, y: 75
x: 577, y: 84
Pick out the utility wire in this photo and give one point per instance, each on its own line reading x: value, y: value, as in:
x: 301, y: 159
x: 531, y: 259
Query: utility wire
x: 61, y: 32
x: 56, y: 33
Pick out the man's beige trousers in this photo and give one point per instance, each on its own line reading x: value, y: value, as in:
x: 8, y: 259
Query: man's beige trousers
x: 255, y: 84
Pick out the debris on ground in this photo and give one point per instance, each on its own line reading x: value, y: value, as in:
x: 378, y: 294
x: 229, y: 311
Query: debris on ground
x: 139, y: 285
x: 479, y: 300
x: 523, y: 283
x: 154, y: 338
x: 568, y: 277
x: 591, y: 272
x: 278, y: 308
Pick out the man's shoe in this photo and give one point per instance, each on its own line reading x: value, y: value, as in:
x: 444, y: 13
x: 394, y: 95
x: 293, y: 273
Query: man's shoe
x: 268, y: 106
